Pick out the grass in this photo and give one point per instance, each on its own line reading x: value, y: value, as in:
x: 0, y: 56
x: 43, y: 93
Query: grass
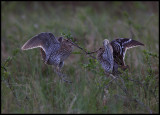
x: 29, y: 86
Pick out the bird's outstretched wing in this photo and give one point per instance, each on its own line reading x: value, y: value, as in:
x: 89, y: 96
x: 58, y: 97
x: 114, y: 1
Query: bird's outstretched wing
x: 120, y: 47
x: 130, y: 43
x: 45, y: 41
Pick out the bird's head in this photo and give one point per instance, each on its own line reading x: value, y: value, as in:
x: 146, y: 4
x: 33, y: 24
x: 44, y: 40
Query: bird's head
x: 68, y: 42
x: 107, y: 45
x: 60, y: 39
x: 105, y: 42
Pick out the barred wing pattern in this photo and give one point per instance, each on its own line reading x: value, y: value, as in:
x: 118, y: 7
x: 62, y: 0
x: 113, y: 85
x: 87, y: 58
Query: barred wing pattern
x: 46, y: 41
x: 120, y: 47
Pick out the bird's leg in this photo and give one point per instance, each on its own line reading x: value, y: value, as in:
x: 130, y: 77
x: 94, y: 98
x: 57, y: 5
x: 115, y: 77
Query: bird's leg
x: 124, y: 67
x: 108, y: 74
x: 46, y: 59
x: 62, y: 76
x: 113, y: 78
x: 123, y: 63
x: 127, y: 67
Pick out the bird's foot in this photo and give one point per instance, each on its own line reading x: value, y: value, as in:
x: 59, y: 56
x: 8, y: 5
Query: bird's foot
x: 63, y: 77
x: 45, y: 62
x: 107, y: 74
x: 124, y: 67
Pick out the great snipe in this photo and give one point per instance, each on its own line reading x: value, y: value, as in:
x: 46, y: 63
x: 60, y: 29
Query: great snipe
x: 53, y: 50
x: 111, y: 56
x: 105, y: 56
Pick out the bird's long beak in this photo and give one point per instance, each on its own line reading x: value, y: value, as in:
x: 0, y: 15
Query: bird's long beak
x: 93, y: 52
x: 77, y: 46
x: 82, y: 49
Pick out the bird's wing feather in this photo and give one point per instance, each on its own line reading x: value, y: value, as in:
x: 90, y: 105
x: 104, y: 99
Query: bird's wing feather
x: 128, y: 43
x: 125, y: 43
x: 44, y: 40
x: 120, y: 47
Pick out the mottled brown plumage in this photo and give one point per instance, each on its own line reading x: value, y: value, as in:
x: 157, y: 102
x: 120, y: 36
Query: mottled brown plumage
x: 105, y: 56
x: 46, y: 41
x: 119, y: 48
x: 53, y: 50
x: 57, y: 58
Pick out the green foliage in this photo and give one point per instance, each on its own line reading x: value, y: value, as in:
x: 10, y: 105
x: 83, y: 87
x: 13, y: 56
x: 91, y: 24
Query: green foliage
x: 67, y: 35
x: 94, y: 66
x: 76, y: 52
x: 147, y: 54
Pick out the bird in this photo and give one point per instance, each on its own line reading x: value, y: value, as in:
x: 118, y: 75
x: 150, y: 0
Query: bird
x: 105, y: 56
x: 53, y: 50
x: 120, y: 46
x: 117, y: 49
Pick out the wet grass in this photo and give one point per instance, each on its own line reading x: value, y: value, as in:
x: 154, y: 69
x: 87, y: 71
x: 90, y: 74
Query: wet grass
x: 29, y: 86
